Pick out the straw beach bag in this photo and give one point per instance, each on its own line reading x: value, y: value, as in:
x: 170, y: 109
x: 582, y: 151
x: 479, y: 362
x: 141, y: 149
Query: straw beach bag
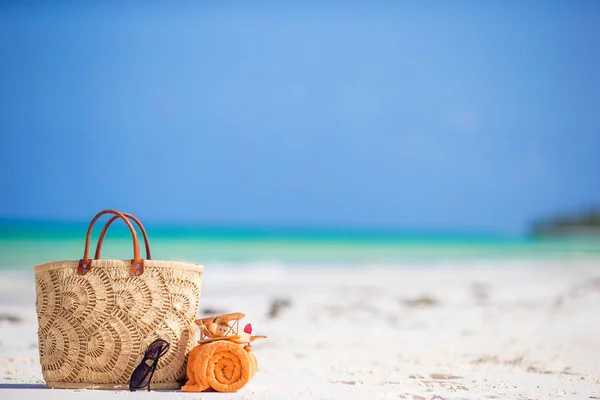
x: 97, y: 317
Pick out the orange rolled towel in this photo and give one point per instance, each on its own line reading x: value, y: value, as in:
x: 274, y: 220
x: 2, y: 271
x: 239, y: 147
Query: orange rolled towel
x: 221, y: 365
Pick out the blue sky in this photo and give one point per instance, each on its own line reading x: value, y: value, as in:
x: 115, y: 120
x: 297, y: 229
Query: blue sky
x: 427, y: 115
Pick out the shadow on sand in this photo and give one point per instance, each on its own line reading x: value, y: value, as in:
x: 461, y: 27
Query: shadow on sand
x: 22, y: 386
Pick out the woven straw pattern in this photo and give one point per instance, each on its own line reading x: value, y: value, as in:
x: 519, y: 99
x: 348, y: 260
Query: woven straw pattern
x: 94, y: 328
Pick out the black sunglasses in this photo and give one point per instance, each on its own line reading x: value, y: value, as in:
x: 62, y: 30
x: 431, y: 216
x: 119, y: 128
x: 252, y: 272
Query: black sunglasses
x: 142, y: 374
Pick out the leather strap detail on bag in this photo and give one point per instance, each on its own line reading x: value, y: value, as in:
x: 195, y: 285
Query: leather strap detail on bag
x: 135, y: 271
x: 84, y: 266
x: 136, y: 268
x: 105, y: 229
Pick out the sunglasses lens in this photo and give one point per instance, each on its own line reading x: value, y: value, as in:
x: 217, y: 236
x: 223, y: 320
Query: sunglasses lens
x: 157, y: 349
x: 164, y: 349
x: 140, y: 377
x: 142, y: 374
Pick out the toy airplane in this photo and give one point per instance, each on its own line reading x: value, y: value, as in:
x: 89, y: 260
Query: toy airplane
x: 225, y: 327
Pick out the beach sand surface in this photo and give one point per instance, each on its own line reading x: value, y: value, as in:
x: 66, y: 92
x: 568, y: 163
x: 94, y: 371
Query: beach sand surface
x: 477, y: 330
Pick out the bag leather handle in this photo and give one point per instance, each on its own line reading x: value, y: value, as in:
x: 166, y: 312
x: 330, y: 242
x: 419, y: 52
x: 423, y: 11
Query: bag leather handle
x: 136, y: 267
x: 105, y: 229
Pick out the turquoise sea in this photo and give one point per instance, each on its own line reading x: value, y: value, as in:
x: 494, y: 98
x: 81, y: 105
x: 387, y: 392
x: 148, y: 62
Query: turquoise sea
x: 24, y: 244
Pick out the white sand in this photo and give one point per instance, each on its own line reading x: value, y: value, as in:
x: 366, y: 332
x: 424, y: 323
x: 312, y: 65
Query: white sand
x: 481, y: 331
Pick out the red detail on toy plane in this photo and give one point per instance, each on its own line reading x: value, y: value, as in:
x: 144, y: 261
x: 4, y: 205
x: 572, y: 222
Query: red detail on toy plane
x: 248, y: 329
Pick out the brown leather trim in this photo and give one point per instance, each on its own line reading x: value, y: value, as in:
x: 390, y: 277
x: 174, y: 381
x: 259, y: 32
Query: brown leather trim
x: 84, y: 267
x: 105, y: 229
x: 134, y: 238
x: 136, y: 268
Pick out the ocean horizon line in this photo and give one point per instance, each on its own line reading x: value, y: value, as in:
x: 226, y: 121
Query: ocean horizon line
x: 27, y: 242
x: 73, y: 228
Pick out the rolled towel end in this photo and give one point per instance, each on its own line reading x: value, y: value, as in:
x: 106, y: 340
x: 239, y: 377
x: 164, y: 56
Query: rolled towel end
x: 221, y: 365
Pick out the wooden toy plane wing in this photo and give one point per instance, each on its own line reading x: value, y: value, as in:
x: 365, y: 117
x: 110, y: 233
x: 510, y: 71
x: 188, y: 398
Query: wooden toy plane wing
x: 225, y: 317
x: 239, y: 339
